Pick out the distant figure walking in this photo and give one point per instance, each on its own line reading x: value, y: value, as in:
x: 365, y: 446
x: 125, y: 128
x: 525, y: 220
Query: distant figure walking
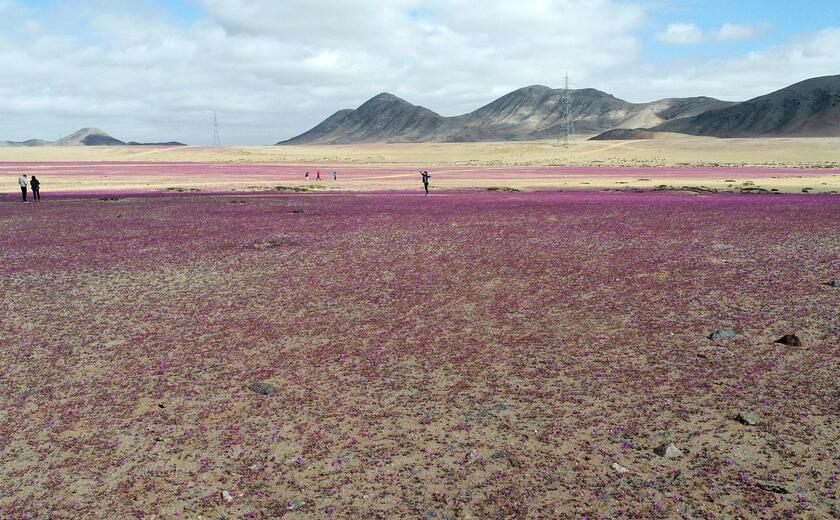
x: 23, y: 185
x: 306, y: 176
x: 35, y: 185
x: 425, y: 175
x: 335, y: 176
x: 318, y: 175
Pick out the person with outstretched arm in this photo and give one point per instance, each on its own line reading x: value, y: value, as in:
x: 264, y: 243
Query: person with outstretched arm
x: 425, y: 175
x: 23, y: 185
x: 35, y: 185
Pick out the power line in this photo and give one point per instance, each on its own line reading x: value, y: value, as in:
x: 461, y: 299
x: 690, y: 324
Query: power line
x: 567, y: 129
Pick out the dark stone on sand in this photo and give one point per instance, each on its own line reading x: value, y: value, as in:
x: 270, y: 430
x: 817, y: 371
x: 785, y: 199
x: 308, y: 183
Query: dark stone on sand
x: 791, y: 340
x: 772, y: 488
x: 669, y: 451
x: 722, y: 334
x: 834, y: 283
x: 261, y: 388
x: 747, y: 418
x: 296, y: 211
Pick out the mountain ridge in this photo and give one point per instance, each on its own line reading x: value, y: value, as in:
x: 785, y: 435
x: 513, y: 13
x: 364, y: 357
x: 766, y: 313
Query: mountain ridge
x: 810, y: 108
x: 87, y: 136
x: 531, y: 112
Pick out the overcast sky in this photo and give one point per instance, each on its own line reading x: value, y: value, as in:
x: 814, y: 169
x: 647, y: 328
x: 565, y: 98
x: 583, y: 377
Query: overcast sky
x: 158, y: 70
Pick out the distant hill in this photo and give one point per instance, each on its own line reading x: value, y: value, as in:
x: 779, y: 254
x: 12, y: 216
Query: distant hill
x: 810, y: 108
x: 625, y: 134
x: 85, y: 137
x: 528, y: 113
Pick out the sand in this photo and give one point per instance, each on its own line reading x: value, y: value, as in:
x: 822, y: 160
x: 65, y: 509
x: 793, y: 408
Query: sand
x: 783, y: 165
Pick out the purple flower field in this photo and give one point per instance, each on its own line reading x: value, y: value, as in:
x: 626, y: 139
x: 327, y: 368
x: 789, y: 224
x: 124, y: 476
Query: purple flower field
x: 463, y: 355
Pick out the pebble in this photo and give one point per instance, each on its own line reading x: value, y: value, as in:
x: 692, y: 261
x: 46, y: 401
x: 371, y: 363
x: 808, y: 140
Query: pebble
x: 618, y: 467
x: 227, y: 496
x: 261, y: 388
x: 722, y: 334
x: 747, y: 418
x: 772, y: 488
x: 791, y: 340
x: 669, y: 451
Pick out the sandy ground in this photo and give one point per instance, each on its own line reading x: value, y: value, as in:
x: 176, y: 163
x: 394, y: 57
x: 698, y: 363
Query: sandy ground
x: 784, y: 165
x: 468, y: 355
x: 681, y: 151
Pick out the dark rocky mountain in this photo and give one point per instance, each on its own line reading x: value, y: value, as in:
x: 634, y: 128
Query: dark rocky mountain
x: 533, y: 112
x: 85, y: 137
x: 810, y: 108
x: 383, y: 118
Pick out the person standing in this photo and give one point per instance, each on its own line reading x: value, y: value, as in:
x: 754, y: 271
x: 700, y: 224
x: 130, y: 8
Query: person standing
x: 335, y: 175
x: 306, y: 177
x: 35, y: 185
x: 425, y: 175
x: 23, y: 186
x: 318, y: 175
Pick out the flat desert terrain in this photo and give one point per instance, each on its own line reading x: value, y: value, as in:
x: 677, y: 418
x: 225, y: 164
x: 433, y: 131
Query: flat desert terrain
x: 786, y: 165
x: 198, y: 333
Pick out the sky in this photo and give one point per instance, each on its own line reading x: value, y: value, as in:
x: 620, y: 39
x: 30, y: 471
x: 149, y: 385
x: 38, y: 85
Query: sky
x: 270, y: 69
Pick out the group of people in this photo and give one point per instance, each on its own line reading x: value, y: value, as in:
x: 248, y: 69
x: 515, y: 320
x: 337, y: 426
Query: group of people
x: 318, y: 175
x: 424, y: 175
x: 34, y: 184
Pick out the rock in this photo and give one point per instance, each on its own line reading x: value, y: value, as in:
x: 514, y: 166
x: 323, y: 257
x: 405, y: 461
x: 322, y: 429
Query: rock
x: 261, y: 388
x: 722, y: 334
x: 226, y: 496
x: 791, y: 340
x: 772, y: 488
x: 669, y: 451
x: 747, y: 418
x: 296, y: 211
x: 834, y: 283
x: 618, y: 467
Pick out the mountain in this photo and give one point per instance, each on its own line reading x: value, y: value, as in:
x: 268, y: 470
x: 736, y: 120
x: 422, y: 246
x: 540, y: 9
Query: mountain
x: 810, y: 108
x: 533, y: 112
x: 383, y: 118
x: 85, y: 137
x: 88, y: 137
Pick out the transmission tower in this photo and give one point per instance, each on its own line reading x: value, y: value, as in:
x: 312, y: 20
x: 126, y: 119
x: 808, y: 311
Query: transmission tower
x: 216, y: 139
x: 567, y: 130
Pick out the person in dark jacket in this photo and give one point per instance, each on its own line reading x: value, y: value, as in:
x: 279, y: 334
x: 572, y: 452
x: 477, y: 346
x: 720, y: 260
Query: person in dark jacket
x: 425, y: 175
x: 35, y: 186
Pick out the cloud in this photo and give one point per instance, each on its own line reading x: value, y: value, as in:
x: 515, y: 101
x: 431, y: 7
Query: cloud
x: 734, y: 32
x: 274, y: 69
x: 689, y: 33
x: 681, y: 33
x: 742, y: 77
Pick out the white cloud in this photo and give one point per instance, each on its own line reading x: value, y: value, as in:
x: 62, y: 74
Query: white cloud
x: 734, y: 32
x: 689, y: 33
x: 681, y: 33
x: 741, y: 77
x: 274, y: 69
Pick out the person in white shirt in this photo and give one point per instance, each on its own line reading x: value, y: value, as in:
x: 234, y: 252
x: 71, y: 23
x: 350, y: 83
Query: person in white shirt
x: 23, y: 186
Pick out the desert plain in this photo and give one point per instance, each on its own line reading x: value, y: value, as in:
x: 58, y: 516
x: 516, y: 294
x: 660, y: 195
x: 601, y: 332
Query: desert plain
x: 202, y: 333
